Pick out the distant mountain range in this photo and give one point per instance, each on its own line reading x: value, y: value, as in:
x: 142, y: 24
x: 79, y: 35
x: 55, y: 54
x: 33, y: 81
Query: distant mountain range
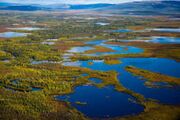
x: 131, y: 8
x: 146, y: 8
x: 34, y: 7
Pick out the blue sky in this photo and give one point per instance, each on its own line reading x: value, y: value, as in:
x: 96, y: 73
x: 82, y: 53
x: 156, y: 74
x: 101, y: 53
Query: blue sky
x: 67, y: 1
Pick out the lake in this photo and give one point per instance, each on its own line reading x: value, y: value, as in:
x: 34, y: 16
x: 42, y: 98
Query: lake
x: 157, y: 39
x: 106, y: 102
x: 102, y: 102
x: 12, y: 34
x: 160, y: 65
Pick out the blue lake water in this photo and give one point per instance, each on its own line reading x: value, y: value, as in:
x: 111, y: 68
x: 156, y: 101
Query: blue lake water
x: 121, y: 31
x: 102, y: 102
x: 160, y: 65
x: 106, y: 102
x: 96, y: 42
x: 165, y: 40
x: 158, y: 39
x: 120, y: 50
x: 112, y: 106
x: 117, y: 49
x: 36, y: 89
x: 12, y: 34
x: 84, y: 74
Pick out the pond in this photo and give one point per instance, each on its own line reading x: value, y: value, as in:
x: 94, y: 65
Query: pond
x: 121, y: 31
x: 27, y: 28
x: 47, y: 43
x: 12, y: 34
x: 34, y: 62
x: 66, y: 57
x: 166, y: 29
x: 102, y: 23
x: 95, y: 80
x: 84, y: 74
x: 102, y: 102
x: 80, y: 49
x: 165, y: 40
x: 69, y: 63
x: 36, y: 89
x: 117, y: 49
x: 157, y: 39
x: 5, y: 61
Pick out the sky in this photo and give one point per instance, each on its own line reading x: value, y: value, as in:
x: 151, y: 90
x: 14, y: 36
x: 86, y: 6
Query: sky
x: 67, y: 1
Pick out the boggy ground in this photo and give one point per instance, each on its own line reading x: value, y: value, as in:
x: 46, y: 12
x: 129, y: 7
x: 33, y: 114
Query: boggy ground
x: 21, y: 101
x: 27, y: 90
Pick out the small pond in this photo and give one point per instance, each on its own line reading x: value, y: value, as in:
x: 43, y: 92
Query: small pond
x: 121, y: 31
x: 12, y: 34
x: 102, y: 23
x: 95, y: 80
x: 80, y: 49
x: 166, y: 29
x: 157, y: 39
x: 165, y: 40
x: 47, y: 43
x: 27, y: 28
x: 34, y: 62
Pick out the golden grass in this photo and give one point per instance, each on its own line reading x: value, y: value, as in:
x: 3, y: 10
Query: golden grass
x: 99, y: 49
x: 112, y: 61
x: 152, y: 76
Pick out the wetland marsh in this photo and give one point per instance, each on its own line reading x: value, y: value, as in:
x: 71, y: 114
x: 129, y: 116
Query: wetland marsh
x: 78, y: 68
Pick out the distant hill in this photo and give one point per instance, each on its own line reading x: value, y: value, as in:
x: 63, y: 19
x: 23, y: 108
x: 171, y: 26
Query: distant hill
x: 146, y: 8
x: 131, y: 8
x: 91, y: 6
x: 20, y: 7
x: 23, y: 8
